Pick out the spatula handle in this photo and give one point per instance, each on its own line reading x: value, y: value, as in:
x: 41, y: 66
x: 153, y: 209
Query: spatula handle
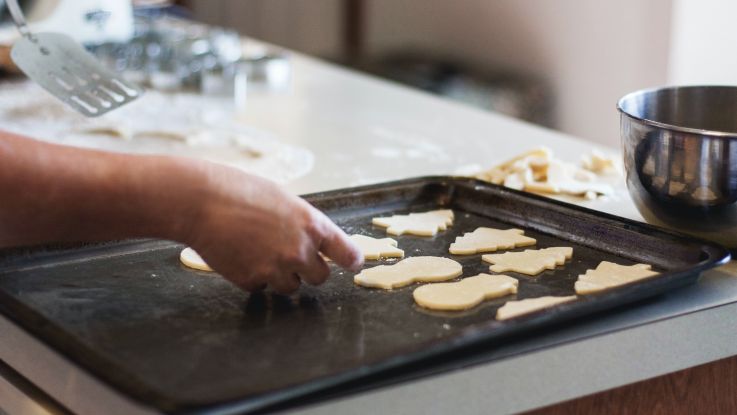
x: 19, y: 18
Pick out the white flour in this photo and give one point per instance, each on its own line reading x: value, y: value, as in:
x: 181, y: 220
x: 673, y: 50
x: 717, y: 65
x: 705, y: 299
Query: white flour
x: 179, y: 124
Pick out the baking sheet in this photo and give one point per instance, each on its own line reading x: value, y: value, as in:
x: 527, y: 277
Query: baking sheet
x: 183, y: 340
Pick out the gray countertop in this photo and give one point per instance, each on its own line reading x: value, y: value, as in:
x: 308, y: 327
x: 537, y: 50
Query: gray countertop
x: 364, y: 130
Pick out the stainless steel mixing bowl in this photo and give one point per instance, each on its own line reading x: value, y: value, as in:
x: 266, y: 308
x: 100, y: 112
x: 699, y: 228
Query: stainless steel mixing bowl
x: 680, y: 156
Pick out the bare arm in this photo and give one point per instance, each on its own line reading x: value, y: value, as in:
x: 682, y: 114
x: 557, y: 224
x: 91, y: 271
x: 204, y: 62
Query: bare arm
x: 247, y: 228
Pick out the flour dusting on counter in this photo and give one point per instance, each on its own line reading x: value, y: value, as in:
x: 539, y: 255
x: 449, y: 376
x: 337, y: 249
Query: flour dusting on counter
x: 180, y: 124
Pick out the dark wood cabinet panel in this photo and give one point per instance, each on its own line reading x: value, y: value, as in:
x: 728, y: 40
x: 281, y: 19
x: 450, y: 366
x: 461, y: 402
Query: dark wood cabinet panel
x: 706, y: 389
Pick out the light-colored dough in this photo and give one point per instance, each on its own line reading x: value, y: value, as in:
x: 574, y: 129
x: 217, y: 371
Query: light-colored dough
x: 489, y: 240
x: 422, y: 224
x: 374, y: 248
x: 409, y: 270
x: 517, y: 308
x: 599, y: 163
x: 609, y: 275
x: 464, y: 294
x: 531, y: 159
x: 192, y: 259
x: 538, y: 171
x: 118, y: 131
x: 530, y: 262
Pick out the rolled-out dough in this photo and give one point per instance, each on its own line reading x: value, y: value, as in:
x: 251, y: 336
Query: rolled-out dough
x: 409, y: 270
x: 464, y: 294
x: 192, y: 259
x: 609, y: 275
x: 489, y: 240
x: 422, y: 224
x: 374, y: 248
x: 517, y: 308
x: 530, y: 262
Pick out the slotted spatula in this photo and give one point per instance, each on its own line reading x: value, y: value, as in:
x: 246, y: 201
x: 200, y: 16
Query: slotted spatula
x: 62, y: 67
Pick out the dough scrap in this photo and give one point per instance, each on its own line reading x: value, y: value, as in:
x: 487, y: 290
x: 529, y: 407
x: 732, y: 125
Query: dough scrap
x: 609, y: 275
x: 374, y: 248
x: 489, y: 240
x: 530, y: 262
x: 409, y: 270
x: 517, y: 308
x: 192, y: 259
x: 538, y: 171
x: 117, y: 131
x: 422, y: 224
x: 535, y: 159
x: 599, y: 163
x: 464, y: 294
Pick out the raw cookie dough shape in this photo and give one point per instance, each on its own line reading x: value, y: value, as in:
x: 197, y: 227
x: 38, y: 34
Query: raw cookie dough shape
x: 192, y: 259
x: 517, y: 308
x: 609, y: 275
x: 409, y: 270
x: 464, y: 294
x: 489, y: 240
x: 530, y: 262
x: 422, y: 224
x: 374, y: 248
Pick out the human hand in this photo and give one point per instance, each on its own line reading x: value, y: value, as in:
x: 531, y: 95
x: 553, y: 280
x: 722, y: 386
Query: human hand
x: 255, y: 234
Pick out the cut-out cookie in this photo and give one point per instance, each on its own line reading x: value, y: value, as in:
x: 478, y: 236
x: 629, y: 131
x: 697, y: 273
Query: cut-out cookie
x: 531, y: 261
x: 489, y: 240
x: 517, y: 308
x: 422, y: 224
x: 407, y: 271
x: 374, y: 248
x: 464, y: 294
x: 609, y: 275
x: 192, y: 259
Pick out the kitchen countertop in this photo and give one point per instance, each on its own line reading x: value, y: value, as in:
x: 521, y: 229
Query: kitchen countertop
x: 364, y: 130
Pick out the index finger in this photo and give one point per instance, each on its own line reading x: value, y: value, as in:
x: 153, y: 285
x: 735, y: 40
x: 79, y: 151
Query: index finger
x: 336, y: 245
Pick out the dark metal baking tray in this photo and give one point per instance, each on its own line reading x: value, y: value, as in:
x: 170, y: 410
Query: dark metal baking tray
x: 182, y: 340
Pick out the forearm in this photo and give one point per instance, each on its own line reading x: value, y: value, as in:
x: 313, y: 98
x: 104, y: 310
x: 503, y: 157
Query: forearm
x: 54, y: 194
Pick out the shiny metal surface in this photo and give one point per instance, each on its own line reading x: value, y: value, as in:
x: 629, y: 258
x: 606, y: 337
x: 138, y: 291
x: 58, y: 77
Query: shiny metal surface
x: 680, y: 155
x: 62, y: 67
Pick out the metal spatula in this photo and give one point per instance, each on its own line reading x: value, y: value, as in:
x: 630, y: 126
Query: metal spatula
x: 62, y: 67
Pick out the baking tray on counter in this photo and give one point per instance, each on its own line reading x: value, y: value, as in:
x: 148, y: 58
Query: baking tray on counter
x: 186, y: 341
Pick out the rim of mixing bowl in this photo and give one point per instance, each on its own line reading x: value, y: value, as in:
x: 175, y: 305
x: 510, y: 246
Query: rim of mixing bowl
x: 673, y: 127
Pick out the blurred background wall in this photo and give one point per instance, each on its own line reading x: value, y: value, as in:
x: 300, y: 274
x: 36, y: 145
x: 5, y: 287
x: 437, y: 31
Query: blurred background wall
x: 561, y: 63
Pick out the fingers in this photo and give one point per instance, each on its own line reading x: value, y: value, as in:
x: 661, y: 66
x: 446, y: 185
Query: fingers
x: 315, y: 271
x: 249, y: 284
x: 285, y: 284
x: 337, y: 246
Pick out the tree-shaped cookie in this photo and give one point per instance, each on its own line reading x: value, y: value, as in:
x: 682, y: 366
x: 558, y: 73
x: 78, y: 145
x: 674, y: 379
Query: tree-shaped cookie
x: 517, y: 308
x: 466, y: 293
x: 530, y: 261
x: 374, y: 248
x: 489, y: 240
x: 422, y: 224
x: 609, y: 275
x: 409, y: 270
